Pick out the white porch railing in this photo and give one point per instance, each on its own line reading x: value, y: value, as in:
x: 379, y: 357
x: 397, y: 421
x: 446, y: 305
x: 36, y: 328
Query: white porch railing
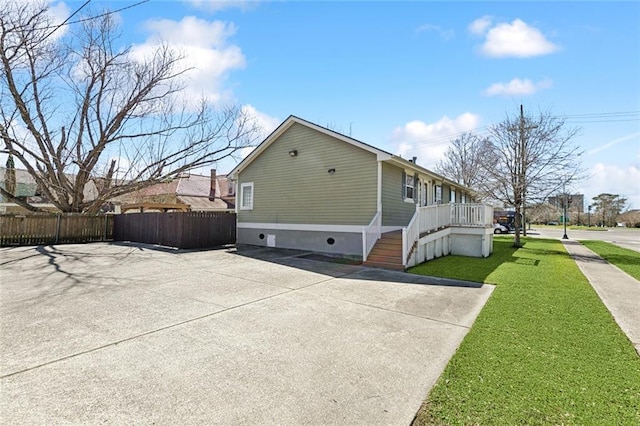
x: 431, y: 218
x: 471, y: 214
x: 370, y: 234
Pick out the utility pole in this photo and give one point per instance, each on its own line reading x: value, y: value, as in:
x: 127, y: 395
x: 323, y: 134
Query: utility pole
x: 522, y: 168
x: 564, y: 211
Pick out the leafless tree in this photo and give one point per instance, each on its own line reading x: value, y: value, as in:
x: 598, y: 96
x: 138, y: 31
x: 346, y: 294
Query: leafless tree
x: 466, y: 162
x: 534, y: 157
x: 78, y: 111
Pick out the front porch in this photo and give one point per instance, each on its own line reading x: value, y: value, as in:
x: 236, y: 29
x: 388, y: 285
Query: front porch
x: 438, y: 230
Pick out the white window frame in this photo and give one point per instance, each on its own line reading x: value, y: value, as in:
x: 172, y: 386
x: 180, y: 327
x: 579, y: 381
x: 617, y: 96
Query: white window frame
x: 243, y: 187
x: 437, y: 194
x: 407, y: 186
x: 452, y: 195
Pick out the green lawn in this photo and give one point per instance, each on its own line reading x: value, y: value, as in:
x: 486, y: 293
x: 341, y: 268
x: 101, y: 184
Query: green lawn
x: 544, y: 350
x: 625, y: 259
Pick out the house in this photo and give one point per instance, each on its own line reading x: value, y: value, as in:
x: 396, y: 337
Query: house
x: 194, y: 192
x: 310, y: 188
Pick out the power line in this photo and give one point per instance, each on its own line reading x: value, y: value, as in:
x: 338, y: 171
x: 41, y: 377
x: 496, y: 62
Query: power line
x: 67, y: 20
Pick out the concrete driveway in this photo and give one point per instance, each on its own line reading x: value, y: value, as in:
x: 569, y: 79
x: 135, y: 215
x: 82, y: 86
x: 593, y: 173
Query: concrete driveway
x: 105, y: 333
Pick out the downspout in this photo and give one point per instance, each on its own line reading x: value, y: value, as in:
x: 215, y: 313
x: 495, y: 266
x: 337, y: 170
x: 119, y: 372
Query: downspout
x: 379, y: 196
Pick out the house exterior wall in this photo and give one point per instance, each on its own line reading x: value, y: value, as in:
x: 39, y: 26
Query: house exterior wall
x: 298, y: 204
x: 330, y: 242
x: 395, y: 211
x: 299, y: 190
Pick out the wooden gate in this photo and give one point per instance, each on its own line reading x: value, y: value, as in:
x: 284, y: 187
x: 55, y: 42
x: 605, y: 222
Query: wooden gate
x: 184, y: 230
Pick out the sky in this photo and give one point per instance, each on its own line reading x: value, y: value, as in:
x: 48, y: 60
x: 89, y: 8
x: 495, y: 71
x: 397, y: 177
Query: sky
x: 408, y: 77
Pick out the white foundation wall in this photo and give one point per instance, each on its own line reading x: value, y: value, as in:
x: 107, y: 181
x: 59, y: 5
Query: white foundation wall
x: 472, y: 242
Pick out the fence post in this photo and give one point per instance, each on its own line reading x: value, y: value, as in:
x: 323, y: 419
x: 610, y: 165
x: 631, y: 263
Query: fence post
x: 57, y: 228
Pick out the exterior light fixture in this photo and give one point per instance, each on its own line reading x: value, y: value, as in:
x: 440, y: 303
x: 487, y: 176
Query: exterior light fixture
x: 293, y: 153
x: 331, y: 171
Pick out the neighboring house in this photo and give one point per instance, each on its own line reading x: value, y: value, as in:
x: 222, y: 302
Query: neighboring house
x: 198, y: 192
x: 310, y: 188
x: 27, y: 190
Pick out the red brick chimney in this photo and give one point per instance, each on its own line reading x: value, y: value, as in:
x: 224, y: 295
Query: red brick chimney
x: 212, y: 188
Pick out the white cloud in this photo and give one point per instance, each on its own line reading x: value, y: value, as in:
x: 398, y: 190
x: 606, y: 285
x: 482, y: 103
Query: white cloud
x: 517, y: 87
x: 430, y: 141
x: 216, y: 5
x: 624, y: 181
x: 446, y: 34
x: 516, y: 39
x: 266, y: 123
x: 480, y: 25
x: 206, y: 50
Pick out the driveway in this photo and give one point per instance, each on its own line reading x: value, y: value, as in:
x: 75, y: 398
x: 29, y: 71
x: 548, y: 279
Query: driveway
x: 106, y: 333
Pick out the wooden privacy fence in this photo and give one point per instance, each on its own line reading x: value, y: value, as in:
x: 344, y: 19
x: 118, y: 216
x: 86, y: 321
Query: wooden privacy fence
x: 40, y: 229
x: 184, y: 230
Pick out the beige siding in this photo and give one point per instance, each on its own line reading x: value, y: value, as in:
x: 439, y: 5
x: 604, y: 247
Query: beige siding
x: 395, y: 211
x: 300, y: 190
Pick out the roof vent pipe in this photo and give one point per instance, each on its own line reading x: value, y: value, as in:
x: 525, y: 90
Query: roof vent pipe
x: 212, y: 186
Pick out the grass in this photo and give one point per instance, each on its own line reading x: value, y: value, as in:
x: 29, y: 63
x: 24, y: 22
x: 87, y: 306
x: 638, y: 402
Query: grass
x: 625, y: 259
x: 544, y: 350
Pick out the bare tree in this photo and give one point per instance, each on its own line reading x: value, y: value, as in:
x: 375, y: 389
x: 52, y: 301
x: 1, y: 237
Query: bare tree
x: 535, y: 156
x: 80, y: 112
x: 466, y: 162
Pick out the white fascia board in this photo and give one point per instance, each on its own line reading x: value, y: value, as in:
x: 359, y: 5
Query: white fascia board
x: 263, y: 145
x: 401, y: 162
x: 302, y: 227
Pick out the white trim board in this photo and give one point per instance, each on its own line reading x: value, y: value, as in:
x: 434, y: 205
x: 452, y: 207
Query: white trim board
x: 302, y: 227
x: 313, y: 227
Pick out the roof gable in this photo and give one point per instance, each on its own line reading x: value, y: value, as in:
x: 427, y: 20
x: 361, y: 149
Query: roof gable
x: 381, y: 154
x: 297, y: 120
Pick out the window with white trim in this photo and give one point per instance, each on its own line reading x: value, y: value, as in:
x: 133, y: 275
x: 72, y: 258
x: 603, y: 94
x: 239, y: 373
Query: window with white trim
x: 452, y: 196
x: 246, y: 196
x: 409, y: 186
x: 437, y: 196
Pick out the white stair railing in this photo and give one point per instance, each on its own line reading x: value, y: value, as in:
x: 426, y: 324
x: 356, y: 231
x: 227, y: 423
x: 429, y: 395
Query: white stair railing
x: 370, y: 235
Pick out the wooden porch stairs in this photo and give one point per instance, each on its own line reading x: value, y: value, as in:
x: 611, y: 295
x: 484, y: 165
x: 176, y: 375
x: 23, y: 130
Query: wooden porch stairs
x: 387, y: 253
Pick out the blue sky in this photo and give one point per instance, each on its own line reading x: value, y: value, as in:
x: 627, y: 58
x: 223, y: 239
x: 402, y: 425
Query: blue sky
x: 409, y: 76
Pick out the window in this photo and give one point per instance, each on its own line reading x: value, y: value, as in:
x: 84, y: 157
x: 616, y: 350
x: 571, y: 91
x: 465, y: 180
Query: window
x: 409, y: 186
x: 246, y: 196
x: 452, y: 196
x: 463, y: 198
x: 437, y: 197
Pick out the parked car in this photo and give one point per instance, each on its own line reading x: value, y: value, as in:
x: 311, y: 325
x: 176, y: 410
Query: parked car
x: 500, y: 229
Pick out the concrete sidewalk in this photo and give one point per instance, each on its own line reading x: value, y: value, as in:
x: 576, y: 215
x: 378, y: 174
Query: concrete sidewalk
x: 619, y: 291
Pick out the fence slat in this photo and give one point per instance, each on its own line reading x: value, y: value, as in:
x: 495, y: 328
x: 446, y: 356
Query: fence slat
x: 42, y: 229
x: 185, y: 230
